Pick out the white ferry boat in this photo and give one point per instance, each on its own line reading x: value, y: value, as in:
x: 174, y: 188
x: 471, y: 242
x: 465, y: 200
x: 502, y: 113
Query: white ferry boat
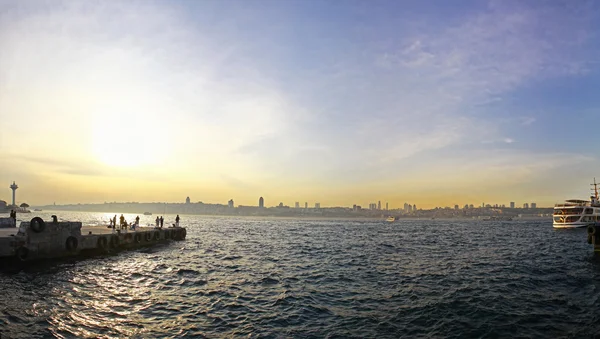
x: 577, y: 213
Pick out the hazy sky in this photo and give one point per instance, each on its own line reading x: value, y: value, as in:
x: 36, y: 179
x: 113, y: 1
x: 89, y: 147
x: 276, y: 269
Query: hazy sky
x: 340, y: 102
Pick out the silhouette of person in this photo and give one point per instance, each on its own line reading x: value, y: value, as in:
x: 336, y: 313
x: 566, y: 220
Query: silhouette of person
x: 122, y: 220
x: 177, y: 220
x: 162, y: 221
x: 157, y: 220
x: 137, y: 221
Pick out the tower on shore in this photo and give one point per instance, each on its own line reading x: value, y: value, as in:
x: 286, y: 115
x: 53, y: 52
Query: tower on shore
x: 261, y: 202
x: 14, y: 187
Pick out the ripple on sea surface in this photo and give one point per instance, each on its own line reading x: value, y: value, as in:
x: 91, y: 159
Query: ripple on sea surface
x: 303, y: 278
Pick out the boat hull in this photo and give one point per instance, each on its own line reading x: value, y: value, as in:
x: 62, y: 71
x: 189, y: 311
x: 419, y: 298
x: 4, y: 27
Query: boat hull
x: 571, y: 225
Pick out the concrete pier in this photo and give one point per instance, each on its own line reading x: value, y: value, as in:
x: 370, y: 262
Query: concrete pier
x: 40, y: 239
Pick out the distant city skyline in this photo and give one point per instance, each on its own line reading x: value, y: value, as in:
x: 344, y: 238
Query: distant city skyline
x: 372, y: 206
x: 261, y: 203
x: 428, y: 103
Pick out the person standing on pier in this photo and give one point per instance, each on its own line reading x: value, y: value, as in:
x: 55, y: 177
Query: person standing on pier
x: 122, y: 220
x: 162, y: 221
x: 157, y: 221
x: 137, y: 221
x: 177, y: 221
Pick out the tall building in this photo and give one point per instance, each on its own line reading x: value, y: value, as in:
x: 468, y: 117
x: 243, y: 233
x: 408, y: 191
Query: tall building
x: 261, y: 202
x: 379, y: 205
x: 414, y: 207
x: 317, y: 205
x: 455, y: 207
x: 305, y: 205
x: 187, y: 200
x: 512, y: 204
x: 14, y: 187
x: 525, y: 205
x: 386, y: 206
x: 533, y: 205
x: 297, y: 205
x: 230, y: 203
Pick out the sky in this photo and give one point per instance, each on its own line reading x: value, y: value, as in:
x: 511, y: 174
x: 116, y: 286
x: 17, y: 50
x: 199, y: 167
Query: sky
x: 434, y: 103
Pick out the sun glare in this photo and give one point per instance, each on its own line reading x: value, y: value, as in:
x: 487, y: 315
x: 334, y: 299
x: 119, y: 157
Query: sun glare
x: 126, y: 141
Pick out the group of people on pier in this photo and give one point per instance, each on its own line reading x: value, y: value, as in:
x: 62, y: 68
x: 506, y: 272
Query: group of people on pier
x: 124, y: 225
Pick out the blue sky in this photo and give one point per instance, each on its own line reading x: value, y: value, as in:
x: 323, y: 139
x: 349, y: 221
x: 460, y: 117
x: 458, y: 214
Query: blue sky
x: 433, y: 103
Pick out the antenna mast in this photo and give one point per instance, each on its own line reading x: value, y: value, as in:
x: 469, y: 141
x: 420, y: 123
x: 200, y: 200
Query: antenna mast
x: 595, y: 189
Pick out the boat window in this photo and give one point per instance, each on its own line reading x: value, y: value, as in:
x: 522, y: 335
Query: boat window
x: 558, y: 219
x: 572, y: 218
x: 589, y: 211
x: 568, y: 211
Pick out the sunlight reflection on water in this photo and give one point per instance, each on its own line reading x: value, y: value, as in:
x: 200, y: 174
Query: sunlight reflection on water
x: 303, y: 278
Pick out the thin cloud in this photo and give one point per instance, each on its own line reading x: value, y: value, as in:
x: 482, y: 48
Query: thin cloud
x: 526, y: 121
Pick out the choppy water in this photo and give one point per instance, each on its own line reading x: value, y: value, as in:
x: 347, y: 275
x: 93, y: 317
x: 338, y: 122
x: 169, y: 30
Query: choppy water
x: 236, y: 277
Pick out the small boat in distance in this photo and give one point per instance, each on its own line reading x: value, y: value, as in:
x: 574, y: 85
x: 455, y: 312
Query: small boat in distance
x: 576, y: 213
x: 147, y: 213
x: 498, y: 218
x: 390, y: 219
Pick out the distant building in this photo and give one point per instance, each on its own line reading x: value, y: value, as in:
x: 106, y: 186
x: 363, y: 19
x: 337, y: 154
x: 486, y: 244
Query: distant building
x: 414, y: 207
x: 533, y: 205
x: 525, y: 205
x: 305, y: 205
x: 409, y: 208
x: 471, y: 206
x: 317, y: 205
x: 456, y: 207
x: 280, y: 204
x: 230, y: 203
x: 261, y: 202
x: 512, y: 204
x: 386, y: 206
x: 297, y: 205
x: 187, y: 200
x: 379, y: 205
x: 354, y: 207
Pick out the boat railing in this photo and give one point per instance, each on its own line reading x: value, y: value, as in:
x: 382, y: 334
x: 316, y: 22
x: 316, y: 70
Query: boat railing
x: 566, y: 212
x: 573, y: 204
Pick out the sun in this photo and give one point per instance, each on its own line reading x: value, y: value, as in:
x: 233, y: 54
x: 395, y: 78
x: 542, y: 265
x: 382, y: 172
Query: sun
x: 126, y: 140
